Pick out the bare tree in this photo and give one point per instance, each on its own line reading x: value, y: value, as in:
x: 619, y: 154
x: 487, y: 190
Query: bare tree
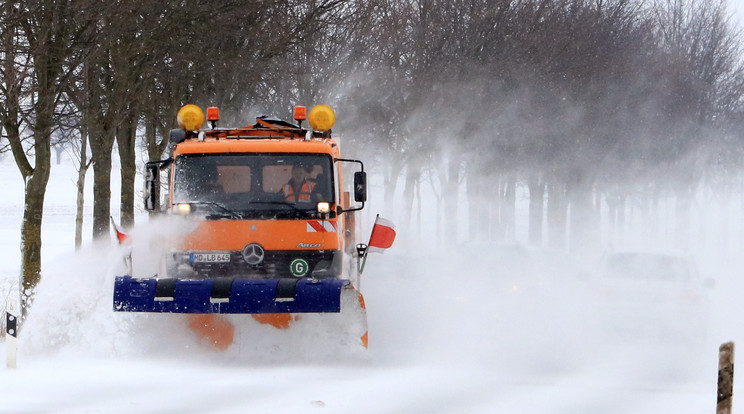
x: 43, y: 36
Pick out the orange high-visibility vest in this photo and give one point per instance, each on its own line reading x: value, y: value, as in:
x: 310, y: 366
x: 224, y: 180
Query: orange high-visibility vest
x: 304, y: 195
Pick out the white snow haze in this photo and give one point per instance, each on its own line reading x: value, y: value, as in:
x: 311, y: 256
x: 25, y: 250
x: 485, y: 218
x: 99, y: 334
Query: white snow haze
x: 486, y: 303
x: 452, y: 329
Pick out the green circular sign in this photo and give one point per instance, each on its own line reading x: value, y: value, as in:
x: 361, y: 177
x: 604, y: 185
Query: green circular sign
x: 299, y: 267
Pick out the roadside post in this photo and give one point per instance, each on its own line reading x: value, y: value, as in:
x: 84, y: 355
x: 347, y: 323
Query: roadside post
x: 725, y: 378
x: 12, y: 316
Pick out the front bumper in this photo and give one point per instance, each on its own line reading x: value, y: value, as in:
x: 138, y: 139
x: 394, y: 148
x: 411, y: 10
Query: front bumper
x: 228, y: 295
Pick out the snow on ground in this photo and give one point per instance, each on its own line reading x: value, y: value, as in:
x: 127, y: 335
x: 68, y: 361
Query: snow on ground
x: 446, y: 335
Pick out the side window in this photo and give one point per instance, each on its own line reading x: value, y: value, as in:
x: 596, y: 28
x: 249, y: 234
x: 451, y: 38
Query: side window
x: 275, y: 176
x: 315, y: 172
x: 234, y: 178
x: 318, y: 173
x: 323, y: 190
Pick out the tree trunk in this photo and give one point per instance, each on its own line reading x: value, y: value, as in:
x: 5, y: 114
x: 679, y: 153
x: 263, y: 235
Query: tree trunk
x: 649, y: 214
x: 496, y: 223
x: 557, y: 214
x: 582, y: 231
x: 413, y: 176
x: 125, y: 138
x: 47, y: 66
x: 620, y: 221
x: 537, y: 196
x: 58, y: 151
x: 615, y: 214
x: 101, y: 191
x: 508, y: 208
x: 682, y: 213
x: 102, y: 133
x: 80, y: 185
x: 452, y: 199
x: 35, y: 193
x: 391, y: 182
x: 478, y: 202
x: 31, y: 228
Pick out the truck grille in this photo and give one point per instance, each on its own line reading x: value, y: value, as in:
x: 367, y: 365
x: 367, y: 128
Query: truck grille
x: 275, y: 264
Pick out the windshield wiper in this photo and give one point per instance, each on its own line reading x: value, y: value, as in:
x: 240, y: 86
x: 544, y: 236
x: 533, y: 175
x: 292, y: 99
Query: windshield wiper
x: 283, y: 203
x: 229, y: 212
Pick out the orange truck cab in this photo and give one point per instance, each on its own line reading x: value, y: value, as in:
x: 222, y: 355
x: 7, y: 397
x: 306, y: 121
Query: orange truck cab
x: 275, y: 228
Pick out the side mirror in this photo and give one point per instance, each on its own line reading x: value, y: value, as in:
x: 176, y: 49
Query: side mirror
x: 177, y: 136
x: 150, y: 195
x: 360, y: 186
x: 151, y: 192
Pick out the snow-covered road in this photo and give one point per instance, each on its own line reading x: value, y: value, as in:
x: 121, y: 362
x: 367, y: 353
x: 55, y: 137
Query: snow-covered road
x: 445, y: 336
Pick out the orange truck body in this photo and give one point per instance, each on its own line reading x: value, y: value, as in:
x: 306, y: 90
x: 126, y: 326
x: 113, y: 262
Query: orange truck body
x: 275, y: 232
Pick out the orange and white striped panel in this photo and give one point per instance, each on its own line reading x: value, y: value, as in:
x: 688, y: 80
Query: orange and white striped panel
x: 321, y: 226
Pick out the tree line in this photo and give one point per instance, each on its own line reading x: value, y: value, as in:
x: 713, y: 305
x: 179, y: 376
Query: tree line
x: 582, y: 101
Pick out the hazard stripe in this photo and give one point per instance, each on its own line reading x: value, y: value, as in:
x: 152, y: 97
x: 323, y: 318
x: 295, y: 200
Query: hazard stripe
x: 314, y: 227
x: 324, y: 226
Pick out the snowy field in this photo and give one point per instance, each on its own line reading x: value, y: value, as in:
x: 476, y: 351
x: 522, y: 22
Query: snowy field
x: 446, y: 336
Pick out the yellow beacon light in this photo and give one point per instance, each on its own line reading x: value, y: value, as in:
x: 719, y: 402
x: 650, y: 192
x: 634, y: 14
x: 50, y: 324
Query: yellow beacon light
x: 190, y: 117
x: 321, y: 118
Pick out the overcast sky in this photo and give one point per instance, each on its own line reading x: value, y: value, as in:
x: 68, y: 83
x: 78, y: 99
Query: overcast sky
x: 737, y: 7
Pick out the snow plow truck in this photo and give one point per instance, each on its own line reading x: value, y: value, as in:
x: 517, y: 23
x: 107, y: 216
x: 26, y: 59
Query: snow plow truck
x: 275, y: 232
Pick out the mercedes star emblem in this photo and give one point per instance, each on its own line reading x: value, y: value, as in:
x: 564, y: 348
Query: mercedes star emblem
x: 253, y: 254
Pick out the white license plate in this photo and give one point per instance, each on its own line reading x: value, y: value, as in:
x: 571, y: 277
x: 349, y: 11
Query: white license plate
x: 210, y: 257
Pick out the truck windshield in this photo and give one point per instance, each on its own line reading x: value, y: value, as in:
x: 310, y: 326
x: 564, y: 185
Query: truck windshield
x: 254, y: 185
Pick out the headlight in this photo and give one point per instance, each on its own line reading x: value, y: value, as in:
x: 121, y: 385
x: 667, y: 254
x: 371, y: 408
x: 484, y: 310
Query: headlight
x: 182, y: 209
x: 324, y: 207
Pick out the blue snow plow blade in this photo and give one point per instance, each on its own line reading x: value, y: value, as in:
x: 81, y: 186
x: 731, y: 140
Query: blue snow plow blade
x: 227, y: 295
